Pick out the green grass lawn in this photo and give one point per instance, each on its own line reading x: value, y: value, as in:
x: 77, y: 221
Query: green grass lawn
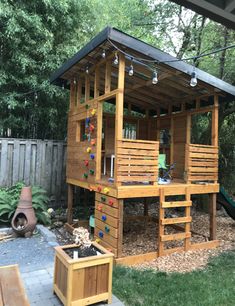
x: 215, y: 285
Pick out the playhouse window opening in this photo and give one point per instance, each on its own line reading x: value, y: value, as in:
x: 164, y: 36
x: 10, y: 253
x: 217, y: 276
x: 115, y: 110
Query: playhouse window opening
x: 80, y: 131
x: 201, y: 128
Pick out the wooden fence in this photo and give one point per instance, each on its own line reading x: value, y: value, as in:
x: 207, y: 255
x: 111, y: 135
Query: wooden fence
x: 36, y: 162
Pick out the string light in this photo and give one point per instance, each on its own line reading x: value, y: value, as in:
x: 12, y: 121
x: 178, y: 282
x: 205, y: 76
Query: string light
x: 36, y: 96
x: 63, y: 86
x: 131, y: 69
x: 115, y: 59
x: 155, y: 78
x: 87, y: 70
x: 193, y: 81
x: 74, y: 81
x: 103, y: 54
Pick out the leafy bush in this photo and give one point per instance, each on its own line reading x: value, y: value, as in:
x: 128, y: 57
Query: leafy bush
x: 9, y: 198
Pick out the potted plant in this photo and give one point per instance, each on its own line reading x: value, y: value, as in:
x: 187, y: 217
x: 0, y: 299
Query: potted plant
x: 83, y: 271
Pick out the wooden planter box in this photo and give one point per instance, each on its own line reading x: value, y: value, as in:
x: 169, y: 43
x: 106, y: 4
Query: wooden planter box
x: 83, y: 281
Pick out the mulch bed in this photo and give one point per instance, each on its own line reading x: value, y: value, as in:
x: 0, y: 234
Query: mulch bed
x: 141, y: 237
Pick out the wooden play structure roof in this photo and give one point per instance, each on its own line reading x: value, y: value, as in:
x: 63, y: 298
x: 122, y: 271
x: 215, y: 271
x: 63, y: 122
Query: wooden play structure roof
x: 174, y: 76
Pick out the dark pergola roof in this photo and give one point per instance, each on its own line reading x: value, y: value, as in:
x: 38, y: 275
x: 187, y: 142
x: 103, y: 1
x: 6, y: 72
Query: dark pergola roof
x: 137, y: 46
x: 222, y: 11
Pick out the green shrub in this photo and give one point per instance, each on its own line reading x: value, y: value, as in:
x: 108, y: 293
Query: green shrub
x: 9, y: 198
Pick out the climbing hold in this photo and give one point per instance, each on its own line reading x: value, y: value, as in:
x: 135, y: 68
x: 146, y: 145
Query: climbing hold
x: 111, y: 202
x: 92, y: 172
x: 99, y: 207
x: 92, y: 142
x: 86, y: 162
x: 88, y: 150
x: 84, y: 137
x: 103, y: 198
x: 91, y: 128
x: 97, y: 240
x: 87, y: 106
x: 106, y: 190
x: 93, y: 111
x: 87, y: 122
x: 104, y: 218
x: 85, y: 175
x: 92, y: 156
x: 99, y: 188
x: 101, y: 234
x: 107, y: 229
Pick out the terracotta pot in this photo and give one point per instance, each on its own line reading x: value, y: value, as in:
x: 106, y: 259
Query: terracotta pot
x: 24, y: 220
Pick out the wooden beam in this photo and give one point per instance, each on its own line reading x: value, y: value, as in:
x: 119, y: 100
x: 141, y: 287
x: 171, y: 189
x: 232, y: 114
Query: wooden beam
x: 187, y: 214
x: 119, y: 109
x: 87, y: 87
x: 212, y: 210
x: 215, y: 121
x: 99, y: 140
x: 160, y: 225
x: 108, y: 76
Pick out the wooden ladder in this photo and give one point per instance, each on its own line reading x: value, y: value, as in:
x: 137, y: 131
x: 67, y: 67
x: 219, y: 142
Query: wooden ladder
x: 187, y: 219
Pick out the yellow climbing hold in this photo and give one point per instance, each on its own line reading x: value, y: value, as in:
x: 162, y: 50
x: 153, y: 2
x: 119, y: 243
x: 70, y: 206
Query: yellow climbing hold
x: 106, y: 190
x: 93, y: 111
x: 88, y: 150
x: 97, y: 240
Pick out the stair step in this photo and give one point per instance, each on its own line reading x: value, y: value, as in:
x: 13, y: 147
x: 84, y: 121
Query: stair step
x: 178, y: 236
x: 176, y: 204
x: 176, y: 220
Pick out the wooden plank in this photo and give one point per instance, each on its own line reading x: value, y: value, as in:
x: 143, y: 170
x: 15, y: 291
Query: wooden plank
x: 187, y: 215
x: 136, y: 178
x: 137, y: 152
x: 107, y: 76
x: 176, y: 204
x: 87, y: 88
x: 27, y: 164
x: 106, y: 209
x: 97, y: 83
x: 205, y: 245
x: 16, y: 161
x: 137, y: 168
x: 108, y: 200
x: 203, y: 169
x: 4, y: 150
x: 12, y: 289
x: 107, y: 246
x: 109, y: 220
x: 138, y: 145
x: 176, y: 220
x: 102, y: 226
x: 136, y: 259
x: 215, y: 122
x: 106, y: 237
x: 178, y: 236
x: 208, y: 149
x: 99, y: 140
x: 136, y: 162
x: 203, y: 155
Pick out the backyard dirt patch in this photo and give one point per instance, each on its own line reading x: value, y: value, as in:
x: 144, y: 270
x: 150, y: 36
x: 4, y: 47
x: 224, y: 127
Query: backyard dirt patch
x: 140, y: 237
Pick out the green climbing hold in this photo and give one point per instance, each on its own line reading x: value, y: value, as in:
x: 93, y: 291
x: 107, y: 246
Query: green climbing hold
x: 85, y: 175
x: 92, y: 172
x: 107, y: 229
x: 103, y: 198
x: 87, y: 106
x: 84, y: 137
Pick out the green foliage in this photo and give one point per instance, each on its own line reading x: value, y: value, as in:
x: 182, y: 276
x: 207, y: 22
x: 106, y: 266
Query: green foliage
x: 215, y: 285
x: 9, y: 198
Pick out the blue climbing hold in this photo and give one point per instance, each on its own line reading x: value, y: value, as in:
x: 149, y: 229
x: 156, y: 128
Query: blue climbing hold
x: 101, y: 235
x: 104, y: 218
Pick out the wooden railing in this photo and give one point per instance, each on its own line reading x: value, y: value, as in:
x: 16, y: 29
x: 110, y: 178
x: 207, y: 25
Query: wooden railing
x: 137, y: 161
x: 201, y: 163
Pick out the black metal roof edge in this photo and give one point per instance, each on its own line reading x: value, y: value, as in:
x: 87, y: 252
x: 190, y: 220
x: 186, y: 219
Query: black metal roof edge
x: 95, y: 42
x: 206, y: 12
x: 144, y: 48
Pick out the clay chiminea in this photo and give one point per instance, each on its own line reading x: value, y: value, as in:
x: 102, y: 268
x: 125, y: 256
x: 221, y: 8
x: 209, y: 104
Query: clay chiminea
x: 24, y: 220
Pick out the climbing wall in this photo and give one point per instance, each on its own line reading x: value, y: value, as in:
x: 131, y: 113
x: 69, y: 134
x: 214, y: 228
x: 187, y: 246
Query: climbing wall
x: 82, y: 135
x: 109, y: 222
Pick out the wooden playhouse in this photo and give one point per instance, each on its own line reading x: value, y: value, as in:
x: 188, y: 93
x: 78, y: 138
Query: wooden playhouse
x: 120, y: 123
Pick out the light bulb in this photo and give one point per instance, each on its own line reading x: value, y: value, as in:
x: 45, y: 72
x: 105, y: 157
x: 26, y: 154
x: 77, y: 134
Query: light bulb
x: 154, y: 79
x: 74, y: 81
x: 115, y: 60
x: 103, y: 54
x: 193, y: 81
x: 87, y: 70
x: 63, y: 86
x: 131, y: 70
x: 36, y: 96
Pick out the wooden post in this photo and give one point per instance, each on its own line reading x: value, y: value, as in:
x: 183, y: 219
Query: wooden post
x: 120, y: 226
x: 172, y: 142
x: 99, y: 140
x: 187, y: 215
x: 214, y: 123
x: 160, y: 225
x: 72, y: 95
x: 97, y: 83
x: 108, y: 76
x: 158, y: 123
x: 212, y: 208
x: 87, y: 88
x: 188, y: 141
x: 119, y: 109
x: 79, y: 91
x: 70, y: 204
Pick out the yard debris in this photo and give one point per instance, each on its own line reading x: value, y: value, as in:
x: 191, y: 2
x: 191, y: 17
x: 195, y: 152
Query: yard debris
x: 6, y: 237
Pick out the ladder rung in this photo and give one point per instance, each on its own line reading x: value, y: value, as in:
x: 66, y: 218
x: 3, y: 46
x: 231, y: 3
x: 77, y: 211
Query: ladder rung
x: 176, y: 220
x: 178, y: 236
x: 176, y: 204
